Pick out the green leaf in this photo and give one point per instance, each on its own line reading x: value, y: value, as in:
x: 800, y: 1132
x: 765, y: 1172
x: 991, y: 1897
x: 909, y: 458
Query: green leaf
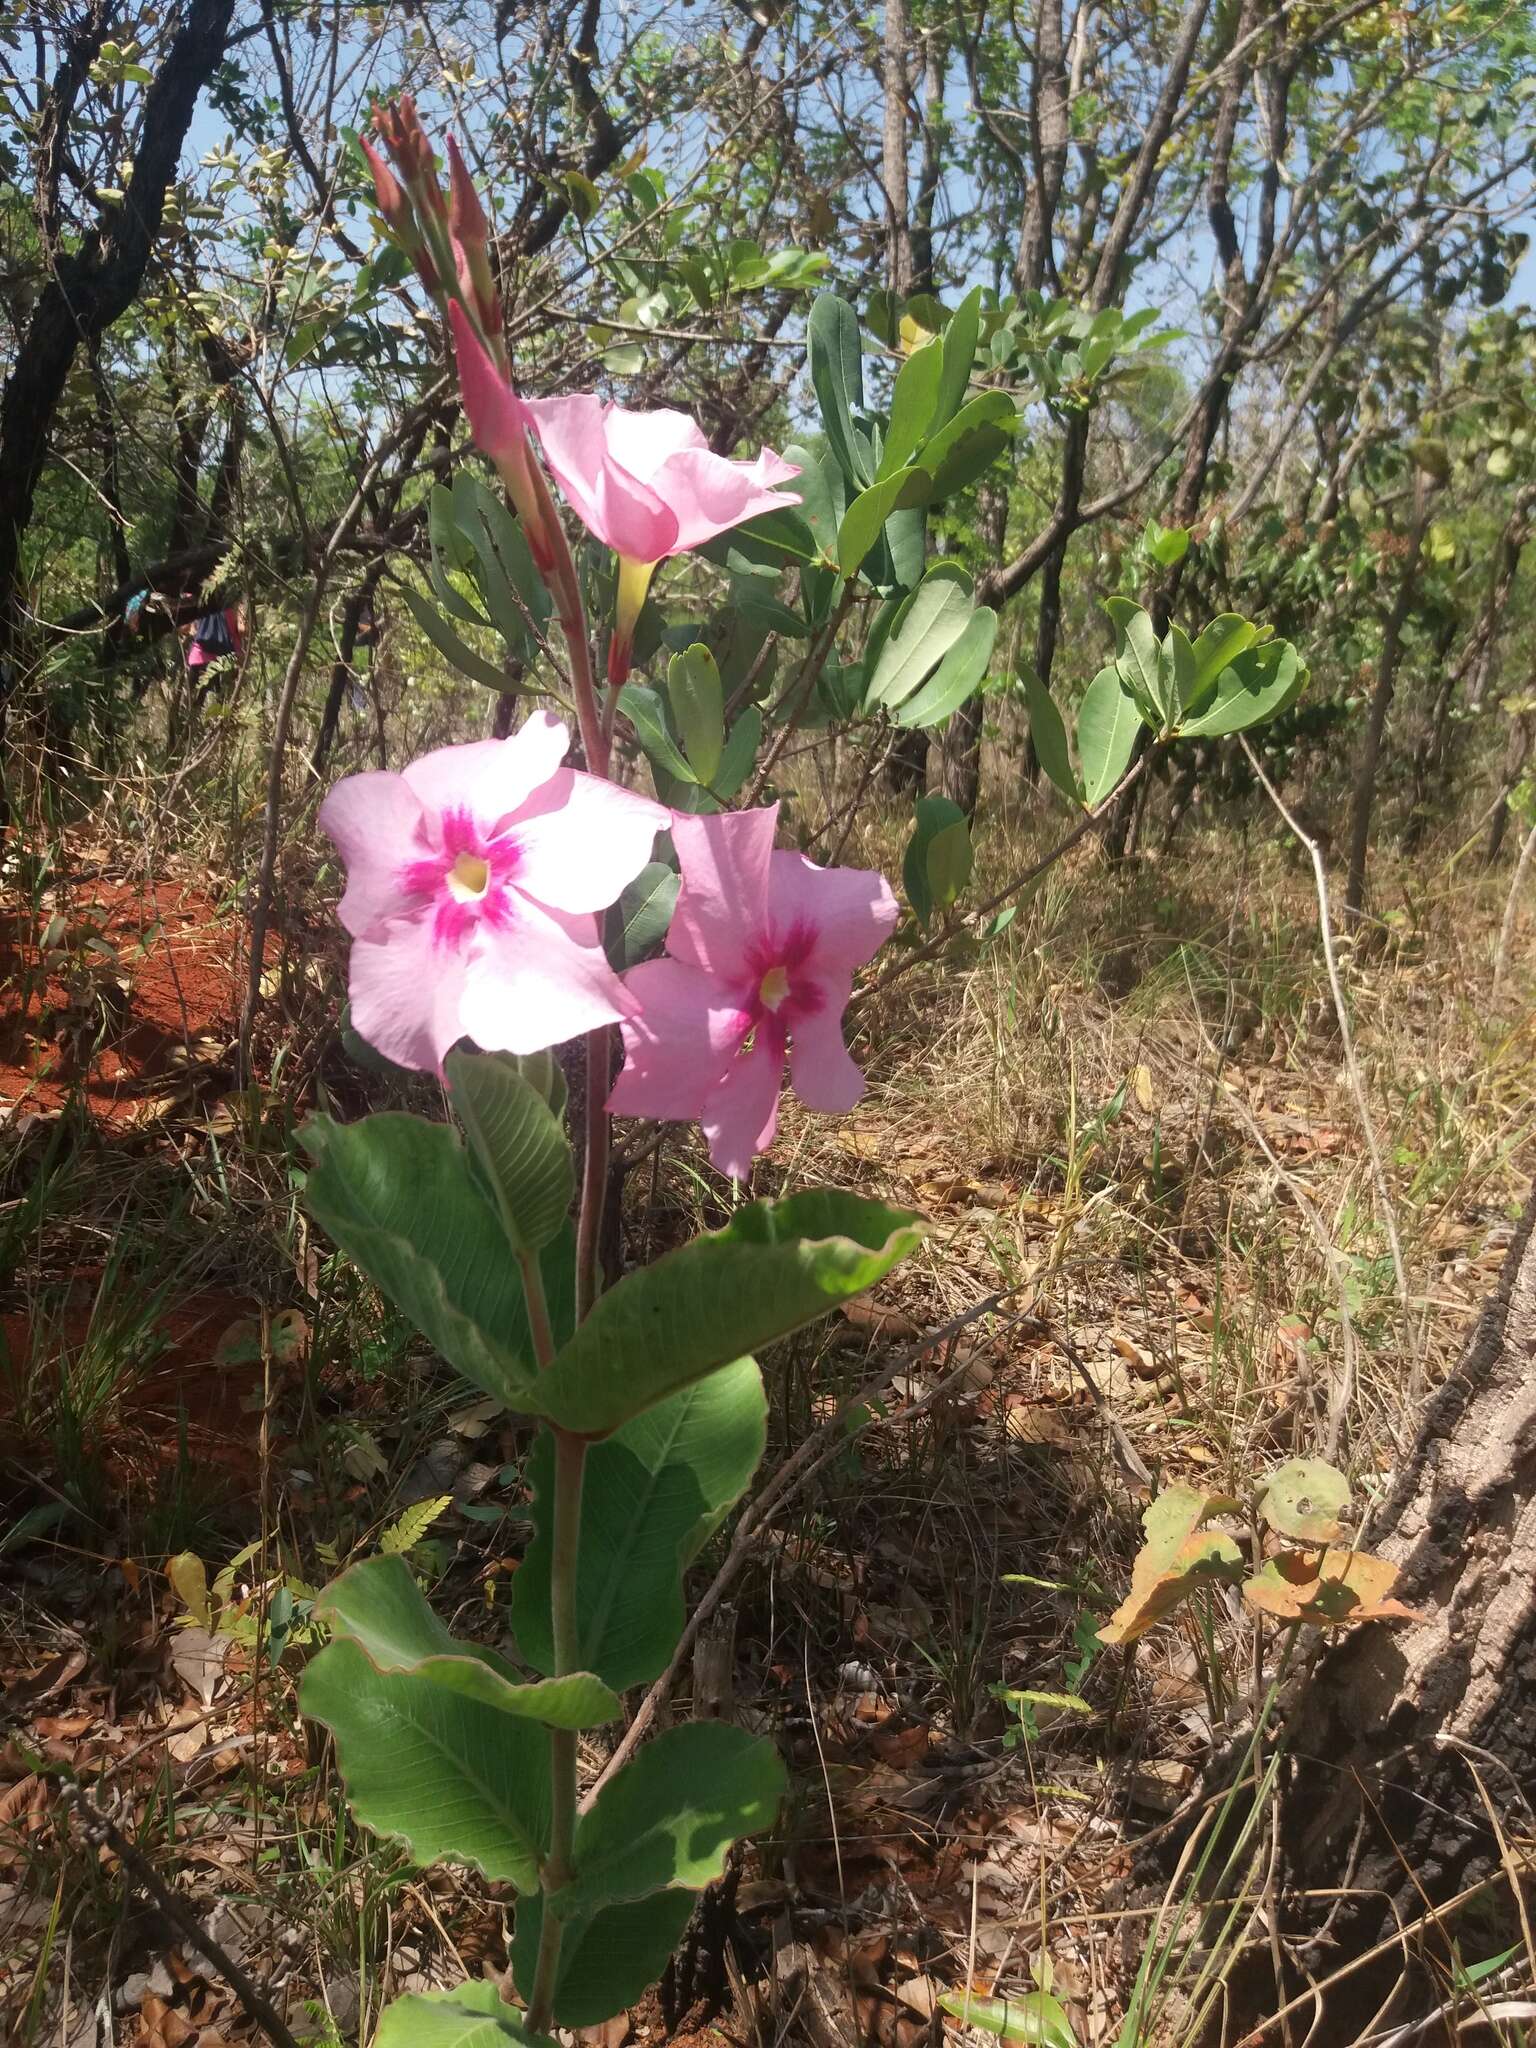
x: 927, y: 877
x: 698, y: 708
x: 1254, y: 686
x: 866, y: 516
x: 523, y: 1152
x: 1107, y: 724
x: 740, y: 753
x: 1034, y: 2017
x: 837, y: 376
x: 968, y: 459
x: 958, y: 675
x: 447, y: 1774
x: 1145, y: 669
x: 1050, y: 738
x: 397, y: 1195
x: 645, y: 911
x: 1178, y: 1555
x: 669, y: 1817
x: 990, y: 417
x: 378, y: 1605
x: 654, y: 1492
x: 1179, y: 662
x: 609, y: 1955
x: 961, y: 333
x: 643, y: 708
x: 473, y: 2016
x: 454, y: 651
x: 926, y: 626
x: 1167, y: 545
x: 498, y: 535
x: 774, y: 1266
x: 912, y: 406
x: 823, y: 489
x: 1219, y: 645
x: 906, y: 542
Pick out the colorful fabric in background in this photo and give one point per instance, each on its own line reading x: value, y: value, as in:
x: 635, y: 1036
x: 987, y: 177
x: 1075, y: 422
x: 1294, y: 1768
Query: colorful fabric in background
x: 214, y: 635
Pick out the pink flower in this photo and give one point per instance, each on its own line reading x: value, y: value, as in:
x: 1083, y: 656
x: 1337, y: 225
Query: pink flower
x: 472, y: 883
x: 648, y: 484
x: 762, y: 951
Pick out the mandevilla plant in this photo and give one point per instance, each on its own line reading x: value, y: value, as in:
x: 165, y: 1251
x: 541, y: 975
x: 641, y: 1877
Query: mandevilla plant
x: 477, y: 886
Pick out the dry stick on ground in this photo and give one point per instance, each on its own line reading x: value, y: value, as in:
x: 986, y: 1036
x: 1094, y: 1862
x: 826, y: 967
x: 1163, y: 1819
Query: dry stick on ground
x: 341, y: 532
x: 98, y: 1828
x: 801, y: 1466
x: 1354, y: 1077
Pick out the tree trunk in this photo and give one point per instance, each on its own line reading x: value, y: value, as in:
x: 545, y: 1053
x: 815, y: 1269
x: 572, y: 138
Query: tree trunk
x: 1403, y: 1738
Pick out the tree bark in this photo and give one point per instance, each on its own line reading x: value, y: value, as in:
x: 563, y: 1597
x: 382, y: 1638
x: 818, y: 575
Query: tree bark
x: 1400, y: 1732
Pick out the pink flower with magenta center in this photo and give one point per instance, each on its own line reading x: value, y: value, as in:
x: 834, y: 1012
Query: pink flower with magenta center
x: 473, y: 883
x: 760, y: 963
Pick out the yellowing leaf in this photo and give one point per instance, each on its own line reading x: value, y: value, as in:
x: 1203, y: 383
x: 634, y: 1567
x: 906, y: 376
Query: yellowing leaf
x: 1178, y: 1555
x: 189, y: 1580
x: 1337, y: 1589
x: 1304, y: 1500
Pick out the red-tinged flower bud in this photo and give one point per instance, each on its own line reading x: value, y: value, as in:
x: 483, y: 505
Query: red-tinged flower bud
x: 466, y: 216
x: 392, y: 202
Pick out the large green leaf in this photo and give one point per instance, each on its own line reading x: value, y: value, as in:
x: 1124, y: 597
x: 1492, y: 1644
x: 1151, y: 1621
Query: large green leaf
x: 866, y: 516
x: 523, y: 1152
x: 1050, y: 737
x: 927, y: 625
x: 1219, y: 645
x: 669, y: 1817
x: 939, y: 856
x: 447, y: 1774
x: 1146, y: 667
x: 987, y: 420
x: 609, y: 1955
x: 1034, y: 2017
x: 957, y: 676
x: 1256, y: 685
x: 837, y: 376
x: 774, y: 1266
x: 912, y: 406
x: 823, y: 489
x: 1107, y: 724
x: 653, y: 1493
x: 473, y: 2016
x: 398, y: 1196
x: 380, y: 1607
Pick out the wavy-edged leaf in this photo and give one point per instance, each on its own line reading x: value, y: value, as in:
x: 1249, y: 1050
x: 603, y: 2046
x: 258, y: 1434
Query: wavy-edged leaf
x: 523, y: 1152
x: 380, y: 1607
x: 448, y: 1775
x: 398, y: 1196
x: 654, y: 1492
x: 609, y: 1955
x: 774, y: 1266
x: 473, y: 2016
x: 669, y: 1817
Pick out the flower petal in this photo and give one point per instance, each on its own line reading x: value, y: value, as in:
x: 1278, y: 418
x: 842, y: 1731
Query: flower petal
x: 678, y: 1043
x: 530, y: 984
x: 376, y: 821
x: 851, y: 910
x: 821, y: 1070
x: 710, y: 494
x: 741, y: 1114
x: 724, y: 901
x: 642, y: 441
x: 491, y: 778
x: 405, y: 993
x: 581, y: 840
x: 616, y: 506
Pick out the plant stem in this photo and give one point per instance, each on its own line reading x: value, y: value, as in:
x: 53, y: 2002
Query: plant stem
x: 538, y: 1308
x: 559, y: 1865
x: 594, y: 1173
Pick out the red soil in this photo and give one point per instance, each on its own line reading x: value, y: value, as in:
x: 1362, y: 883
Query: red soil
x: 138, y: 988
